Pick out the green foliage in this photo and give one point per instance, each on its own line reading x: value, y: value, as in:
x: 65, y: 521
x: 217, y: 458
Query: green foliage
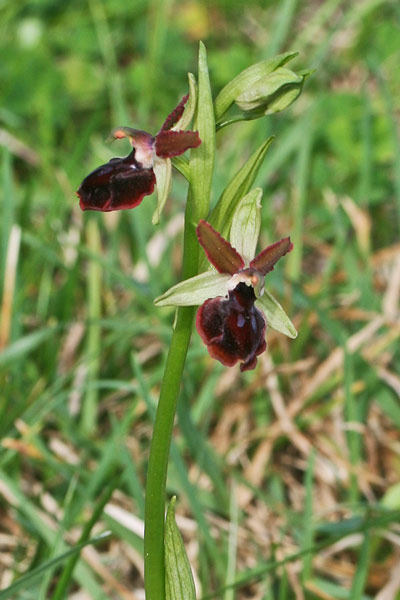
x: 69, y: 73
x: 179, y: 584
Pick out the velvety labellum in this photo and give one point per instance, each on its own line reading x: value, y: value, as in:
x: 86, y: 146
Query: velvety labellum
x: 233, y: 328
x: 121, y: 183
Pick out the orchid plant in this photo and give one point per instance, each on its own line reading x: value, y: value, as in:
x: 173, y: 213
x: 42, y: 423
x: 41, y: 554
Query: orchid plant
x: 235, y: 307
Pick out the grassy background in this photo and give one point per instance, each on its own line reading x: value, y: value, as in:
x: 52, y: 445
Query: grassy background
x: 288, y: 476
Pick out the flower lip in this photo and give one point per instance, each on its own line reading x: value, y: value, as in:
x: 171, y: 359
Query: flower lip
x: 232, y: 328
x: 121, y: 183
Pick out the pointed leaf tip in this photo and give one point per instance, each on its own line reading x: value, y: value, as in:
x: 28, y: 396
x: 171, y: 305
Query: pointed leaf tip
x: 179, y: 584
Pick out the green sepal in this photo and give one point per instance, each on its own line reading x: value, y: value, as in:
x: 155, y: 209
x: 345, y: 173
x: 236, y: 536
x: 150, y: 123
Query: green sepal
x: 162, y: 169
x: 276, y: 317
x: 196, y: 290
x: 246, y: 224
x: 246, y: 79
x: 190, y: 107
x: 179, y: 583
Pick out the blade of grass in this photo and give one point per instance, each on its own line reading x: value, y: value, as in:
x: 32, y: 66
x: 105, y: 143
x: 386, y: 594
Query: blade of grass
x: 107, y: 48
x: 9, y: 285
x: 307, y: 536
x: 295, y: 258
x: 338, y: 530
x: 83, y: 573
x: 351, y: 417
x: 232, y: 543
x: 64, y: 525
x: 281, y: 26
x: 28, y: 578
x: 89, y: 407
x: 7, y: 207
x: 360, y: 577
x: 66, y: 575
x: 157, y: 27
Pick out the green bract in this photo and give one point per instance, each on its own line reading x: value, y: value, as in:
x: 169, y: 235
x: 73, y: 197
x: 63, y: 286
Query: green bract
x: 211, y: 284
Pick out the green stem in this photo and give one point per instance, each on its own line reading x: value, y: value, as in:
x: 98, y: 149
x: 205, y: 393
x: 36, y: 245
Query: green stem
x: 158, y: 459
x: 197, y: 206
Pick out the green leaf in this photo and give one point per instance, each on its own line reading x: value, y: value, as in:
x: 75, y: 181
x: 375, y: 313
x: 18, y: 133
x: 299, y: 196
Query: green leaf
x: 179, y: 584
x: 202, y: 158
x: 196, y: 290
x: 162, y: 170
x: 246, y: 79
x: 222, y: 215
x: 276, y: 317
x: 190, y: 107
x: 246, y: 224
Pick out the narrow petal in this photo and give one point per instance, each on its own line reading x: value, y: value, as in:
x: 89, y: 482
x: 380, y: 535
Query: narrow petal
x: 173, y: 143
x: 276, y: 317
x: 233, y: 329
x: 175, y: 115
x: 162, y: 170
x: 265, y: 261
x: 119, y: 184
x: 246, y: 222
x: 196, y: 290
x: 219, y: 252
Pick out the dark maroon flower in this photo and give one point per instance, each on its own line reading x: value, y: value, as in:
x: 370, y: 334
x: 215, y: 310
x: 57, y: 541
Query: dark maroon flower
x: 232, y: 328
x: 123, y: 182
x: 235, y: 307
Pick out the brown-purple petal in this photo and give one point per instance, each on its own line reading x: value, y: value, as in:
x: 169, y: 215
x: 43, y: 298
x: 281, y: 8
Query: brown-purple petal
x: 175, y: 115
x: 173, y: 143
x: 265, y: 261
x: 119, y: 184
x: 219, y: 252
x: 233, y: 329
